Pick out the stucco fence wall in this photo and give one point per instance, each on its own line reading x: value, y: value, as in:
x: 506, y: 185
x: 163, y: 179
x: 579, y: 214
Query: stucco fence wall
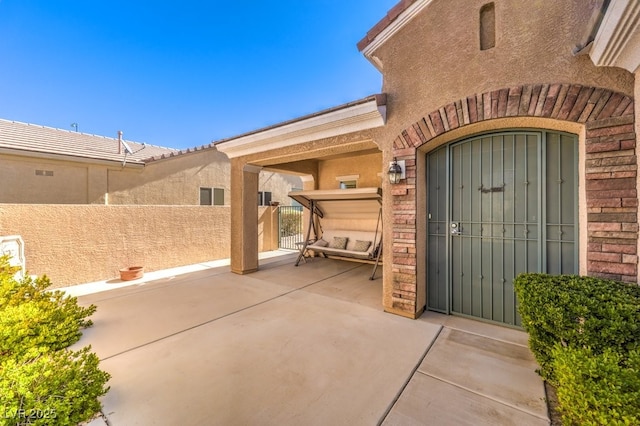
x: 74, y: 244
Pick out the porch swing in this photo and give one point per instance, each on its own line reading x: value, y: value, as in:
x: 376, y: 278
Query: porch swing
x: 346, y: 224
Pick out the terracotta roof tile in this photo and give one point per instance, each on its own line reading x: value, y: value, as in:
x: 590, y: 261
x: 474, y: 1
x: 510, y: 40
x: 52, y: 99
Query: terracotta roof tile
x: 40, y: 139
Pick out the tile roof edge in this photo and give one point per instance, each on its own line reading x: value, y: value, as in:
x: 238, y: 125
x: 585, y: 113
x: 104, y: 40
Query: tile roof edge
x: 386, y: 20
x: 57, y: 129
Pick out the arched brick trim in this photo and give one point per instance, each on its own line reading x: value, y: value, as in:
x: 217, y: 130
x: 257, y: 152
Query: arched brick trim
x: 611, y: 170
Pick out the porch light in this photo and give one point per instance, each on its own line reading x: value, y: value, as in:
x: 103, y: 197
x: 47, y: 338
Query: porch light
x: 396, y: 172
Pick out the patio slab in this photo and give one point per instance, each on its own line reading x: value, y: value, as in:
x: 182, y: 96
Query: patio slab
x: 285, y: 345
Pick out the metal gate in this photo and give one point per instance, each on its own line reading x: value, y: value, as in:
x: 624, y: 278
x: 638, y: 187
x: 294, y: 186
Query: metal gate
x: 290, y: 228
x: 499, y: 205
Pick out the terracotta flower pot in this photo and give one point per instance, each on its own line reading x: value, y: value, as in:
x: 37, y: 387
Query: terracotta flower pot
x: 131, y: 273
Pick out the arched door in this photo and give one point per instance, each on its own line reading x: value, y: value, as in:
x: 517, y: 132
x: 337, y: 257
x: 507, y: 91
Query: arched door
x: 498, y: 205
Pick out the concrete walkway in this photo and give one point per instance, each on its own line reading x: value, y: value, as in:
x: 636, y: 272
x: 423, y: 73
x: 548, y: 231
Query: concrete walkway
x: 300, y: 346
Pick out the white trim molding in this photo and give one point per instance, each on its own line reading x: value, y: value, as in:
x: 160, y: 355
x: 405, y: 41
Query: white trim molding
x: 617, y: 43
x: 357, y: 116
x: 403, y: 19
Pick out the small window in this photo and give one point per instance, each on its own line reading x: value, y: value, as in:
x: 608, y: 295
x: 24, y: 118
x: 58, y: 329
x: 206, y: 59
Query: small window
x: 218, y: 197
x: 347, y: 184
x: 264, y: 198
x: 487, y: 26
x: 205, y: 197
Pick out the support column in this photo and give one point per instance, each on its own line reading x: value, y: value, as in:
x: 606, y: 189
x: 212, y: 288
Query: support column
x: 244, y: 217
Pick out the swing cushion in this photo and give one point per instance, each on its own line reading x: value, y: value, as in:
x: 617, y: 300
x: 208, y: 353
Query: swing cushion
x: 321, y: 243
x: 352, y: 237
x: 339, y: 243
x: 361, y: 245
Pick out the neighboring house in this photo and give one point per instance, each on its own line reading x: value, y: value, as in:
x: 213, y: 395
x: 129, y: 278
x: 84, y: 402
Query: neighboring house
x: 516, y: 128
x: 43, y: 165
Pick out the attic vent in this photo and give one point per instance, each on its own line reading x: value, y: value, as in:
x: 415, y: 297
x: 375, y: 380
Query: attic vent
x: 487, y: 26
x: 44, y: 172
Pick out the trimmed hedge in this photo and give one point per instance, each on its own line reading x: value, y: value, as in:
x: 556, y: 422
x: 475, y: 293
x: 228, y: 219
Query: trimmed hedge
x: 598, y: 389
x: 41, y: 381
x: 585, y: 335
x: 577, y: 312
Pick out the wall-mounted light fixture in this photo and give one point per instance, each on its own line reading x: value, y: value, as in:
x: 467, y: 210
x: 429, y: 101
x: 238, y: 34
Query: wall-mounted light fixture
x: 396, y: 171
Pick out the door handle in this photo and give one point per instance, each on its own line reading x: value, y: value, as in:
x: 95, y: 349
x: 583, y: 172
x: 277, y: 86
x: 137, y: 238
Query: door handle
x: 455, y: 229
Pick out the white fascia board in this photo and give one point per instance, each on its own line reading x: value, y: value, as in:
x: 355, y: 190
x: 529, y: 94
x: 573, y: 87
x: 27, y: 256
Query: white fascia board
x: 617, y: 43
x: 368, y: 115
x: 403, y: 19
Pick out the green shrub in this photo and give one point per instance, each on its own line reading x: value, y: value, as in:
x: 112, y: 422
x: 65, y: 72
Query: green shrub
x: 597, y: 389
x: 290, y: 222
x: 55, y: 387
x: 577, y: 312
x: 40, y: 380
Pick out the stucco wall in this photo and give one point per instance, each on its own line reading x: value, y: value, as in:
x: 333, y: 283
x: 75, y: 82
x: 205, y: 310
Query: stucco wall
x: 26, y: 180
x: 436, y: 58
x: 74, y: 244
x: 173, y: 181
x: 367, y: 167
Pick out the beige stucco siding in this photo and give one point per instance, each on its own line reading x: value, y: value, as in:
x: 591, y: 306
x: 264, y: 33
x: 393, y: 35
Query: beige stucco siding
x: 174, y: 181
x: 26, y: 180
x: 367, y: 168
x: 436, y: 58
x: 83, y: 243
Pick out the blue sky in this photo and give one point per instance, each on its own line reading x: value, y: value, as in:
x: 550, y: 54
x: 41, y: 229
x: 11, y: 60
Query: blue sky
x: 181, y: 73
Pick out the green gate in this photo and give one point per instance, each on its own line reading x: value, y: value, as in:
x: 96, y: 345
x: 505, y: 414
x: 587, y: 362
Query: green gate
x: 498, y: 205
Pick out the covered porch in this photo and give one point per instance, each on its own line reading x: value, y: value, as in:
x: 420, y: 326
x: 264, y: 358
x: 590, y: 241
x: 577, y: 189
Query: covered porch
x: 331, y: 150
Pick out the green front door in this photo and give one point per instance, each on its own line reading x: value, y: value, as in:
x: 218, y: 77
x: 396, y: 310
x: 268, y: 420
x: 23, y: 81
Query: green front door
x: 499, y: 205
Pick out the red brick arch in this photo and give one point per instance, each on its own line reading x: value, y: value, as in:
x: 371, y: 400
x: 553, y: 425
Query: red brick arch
x: 611, y: 170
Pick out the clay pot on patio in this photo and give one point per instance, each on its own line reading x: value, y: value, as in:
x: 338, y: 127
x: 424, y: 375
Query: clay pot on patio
x: 131, y: 273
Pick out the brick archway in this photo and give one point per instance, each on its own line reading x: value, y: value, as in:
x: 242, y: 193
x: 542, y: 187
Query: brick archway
x: 610, y: 165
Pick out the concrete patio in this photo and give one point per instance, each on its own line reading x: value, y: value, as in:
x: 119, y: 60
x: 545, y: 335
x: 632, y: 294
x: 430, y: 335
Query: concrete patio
x: 300, y: 346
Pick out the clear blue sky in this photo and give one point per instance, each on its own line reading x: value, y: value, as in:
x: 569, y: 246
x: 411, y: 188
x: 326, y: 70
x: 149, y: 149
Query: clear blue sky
x: 181, y: 73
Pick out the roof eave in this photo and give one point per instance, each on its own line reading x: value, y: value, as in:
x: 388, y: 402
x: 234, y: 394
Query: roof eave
x: 76, y: 159
x: 365, y: 114
x: 617, y: 42
x: 399, y: 16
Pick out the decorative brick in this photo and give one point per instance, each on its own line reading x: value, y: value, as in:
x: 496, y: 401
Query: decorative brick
x: 503, y: 99
x: 612, y: 268
x: 610, y: 184
x: 569, y: 101
x: 525, y: 100
x: 604, y: 226
x: 604, y: 257
x: 620, y: 248
x: 452, y: 116
x: 632, y: 259
x: 602, y: 146
x: 580, y: 104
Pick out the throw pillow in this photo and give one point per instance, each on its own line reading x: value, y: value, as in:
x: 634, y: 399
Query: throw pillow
x: 321, y: 243
x: 361, y: 245
x: 338, y: 243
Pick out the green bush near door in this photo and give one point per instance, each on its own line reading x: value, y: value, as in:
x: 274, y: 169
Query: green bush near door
x: 585, y: 335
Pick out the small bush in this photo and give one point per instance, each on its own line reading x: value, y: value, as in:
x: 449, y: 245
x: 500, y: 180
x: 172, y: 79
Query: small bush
x: 42, y: 382
x: 577, y: 312
x: 597, y: 389
x: 290, y: 222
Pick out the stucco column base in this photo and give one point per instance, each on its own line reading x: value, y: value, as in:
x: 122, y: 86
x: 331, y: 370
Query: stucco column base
x: 414, y: 315
x: 243, y: 271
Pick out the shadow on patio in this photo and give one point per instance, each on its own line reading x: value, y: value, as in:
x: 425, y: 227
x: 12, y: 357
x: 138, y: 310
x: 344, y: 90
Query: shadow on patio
x: 306, y: 345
